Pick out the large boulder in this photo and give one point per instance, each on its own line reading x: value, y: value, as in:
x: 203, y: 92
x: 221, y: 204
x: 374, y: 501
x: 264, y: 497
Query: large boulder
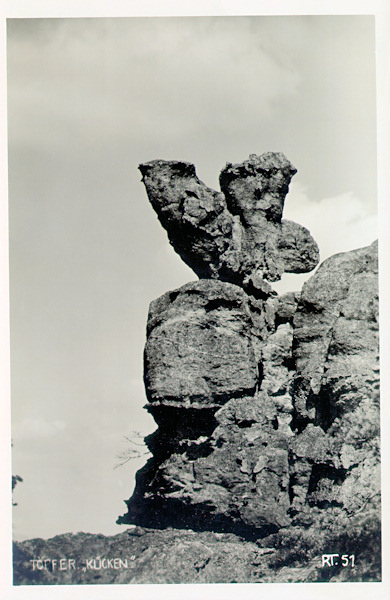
x: 199, y: 349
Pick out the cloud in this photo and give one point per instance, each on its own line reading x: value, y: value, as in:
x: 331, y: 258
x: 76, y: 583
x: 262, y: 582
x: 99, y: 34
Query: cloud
x: 37, y: 428
x: 141, y: 78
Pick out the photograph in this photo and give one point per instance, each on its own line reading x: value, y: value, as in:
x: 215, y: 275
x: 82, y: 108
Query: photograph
x: 193, y: 211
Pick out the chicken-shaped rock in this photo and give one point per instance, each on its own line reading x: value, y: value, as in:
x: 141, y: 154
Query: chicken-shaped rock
x: 236, y: 235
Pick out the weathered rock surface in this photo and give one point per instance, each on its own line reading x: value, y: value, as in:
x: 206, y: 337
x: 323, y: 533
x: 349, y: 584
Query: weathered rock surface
x: 199, y: 350
x: 185, y: 556
x: 337, y: 317
x: 296, y: 448
x: 267, y: 408
x: 209, y: 345
x: 229, y: 473
x: 235, y: 234
x: 266, y: 456
x: 336, y: 386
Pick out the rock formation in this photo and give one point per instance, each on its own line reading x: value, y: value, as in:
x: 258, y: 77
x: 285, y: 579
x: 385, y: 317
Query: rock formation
x: 235, y: 235
x: 141, y: 555
x: 267, y: 407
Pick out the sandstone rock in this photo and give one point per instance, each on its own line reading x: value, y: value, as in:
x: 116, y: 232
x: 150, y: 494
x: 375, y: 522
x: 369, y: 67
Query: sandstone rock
x: 236, y: 234
x: 277, y: 374
x: 255, y: 190
x: 198, y: 224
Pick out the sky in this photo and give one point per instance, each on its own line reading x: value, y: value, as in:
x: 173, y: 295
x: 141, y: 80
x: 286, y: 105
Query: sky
x: 90, y: 99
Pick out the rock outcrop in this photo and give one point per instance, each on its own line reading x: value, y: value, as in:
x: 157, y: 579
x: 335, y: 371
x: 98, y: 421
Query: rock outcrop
x: 267, y: 407
x: 199, y: 348
x: 235, y: 235
x: 141, y: 555
x: 336, y: 386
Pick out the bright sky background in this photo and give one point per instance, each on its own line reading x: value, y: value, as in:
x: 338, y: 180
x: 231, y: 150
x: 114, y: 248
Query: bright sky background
x: 88, y: 100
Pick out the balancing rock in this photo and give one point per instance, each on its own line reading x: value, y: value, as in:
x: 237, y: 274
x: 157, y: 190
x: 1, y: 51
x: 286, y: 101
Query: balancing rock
x: 267, y: 407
